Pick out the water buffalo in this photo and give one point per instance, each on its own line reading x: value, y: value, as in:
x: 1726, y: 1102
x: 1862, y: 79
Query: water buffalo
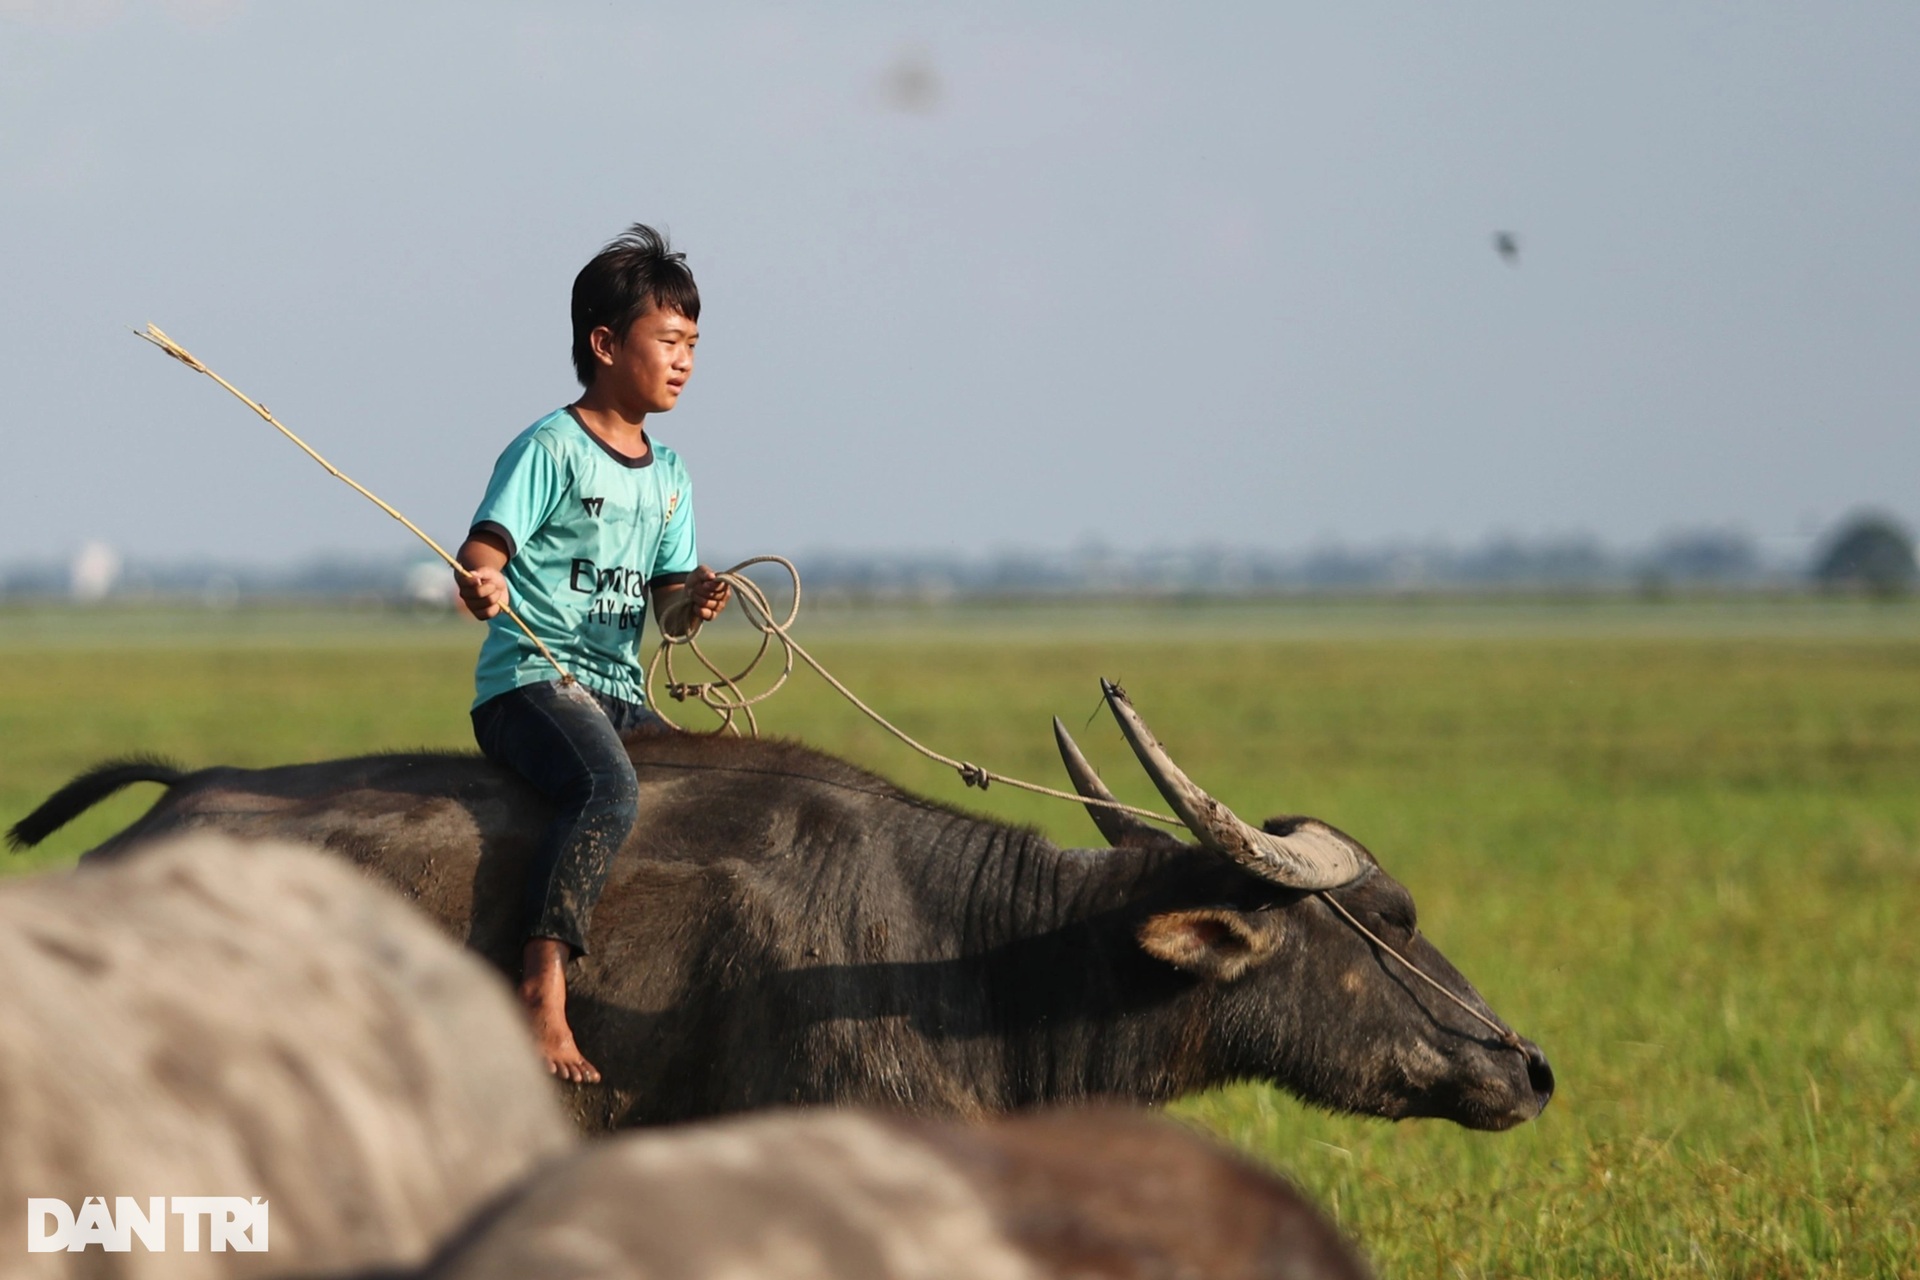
x: 1101, y: 1194
x: 211, y: 1019
x: 784, y: 927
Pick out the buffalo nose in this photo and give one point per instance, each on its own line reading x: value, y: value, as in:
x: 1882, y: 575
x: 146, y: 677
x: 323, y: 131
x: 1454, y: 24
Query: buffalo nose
x: 1539, y: 1074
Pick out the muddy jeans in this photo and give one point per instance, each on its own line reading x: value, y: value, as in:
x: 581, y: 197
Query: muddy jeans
x: 565, y: 741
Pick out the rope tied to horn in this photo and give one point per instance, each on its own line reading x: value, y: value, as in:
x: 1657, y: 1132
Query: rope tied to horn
x: 723, y: 694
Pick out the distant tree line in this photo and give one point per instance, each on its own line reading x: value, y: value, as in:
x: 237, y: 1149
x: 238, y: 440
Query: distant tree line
x: 1870, y: 553
x: 1867, y: 554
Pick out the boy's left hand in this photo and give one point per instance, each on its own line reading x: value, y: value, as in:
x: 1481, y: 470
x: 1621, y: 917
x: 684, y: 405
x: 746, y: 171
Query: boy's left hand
x: 707, y: 593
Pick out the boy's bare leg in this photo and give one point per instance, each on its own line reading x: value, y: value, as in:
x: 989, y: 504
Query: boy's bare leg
x: 543, y: 989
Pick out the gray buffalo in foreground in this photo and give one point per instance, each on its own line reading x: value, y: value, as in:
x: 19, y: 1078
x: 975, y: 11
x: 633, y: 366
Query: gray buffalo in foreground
x: 785, y: 928
x: 209, y: 1019
x: 1104, y: 1194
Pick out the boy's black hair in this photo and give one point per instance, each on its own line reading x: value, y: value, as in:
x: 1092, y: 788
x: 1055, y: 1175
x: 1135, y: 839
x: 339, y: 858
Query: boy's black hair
x: 637, y: 271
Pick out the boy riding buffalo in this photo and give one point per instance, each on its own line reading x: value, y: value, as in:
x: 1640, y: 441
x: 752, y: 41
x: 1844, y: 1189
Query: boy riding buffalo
x: 587, y: 521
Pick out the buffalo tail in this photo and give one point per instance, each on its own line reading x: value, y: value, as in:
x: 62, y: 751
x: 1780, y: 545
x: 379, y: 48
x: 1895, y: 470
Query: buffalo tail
x: 87, y: 790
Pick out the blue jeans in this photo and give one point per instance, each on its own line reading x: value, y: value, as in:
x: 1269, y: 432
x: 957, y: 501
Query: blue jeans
x: 566, y: 742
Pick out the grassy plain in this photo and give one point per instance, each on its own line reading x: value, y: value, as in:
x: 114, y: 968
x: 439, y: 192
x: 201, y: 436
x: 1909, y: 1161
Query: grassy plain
x: 1678, y: 845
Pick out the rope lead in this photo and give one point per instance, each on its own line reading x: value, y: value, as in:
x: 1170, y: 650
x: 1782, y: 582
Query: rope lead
x: 725, y: 698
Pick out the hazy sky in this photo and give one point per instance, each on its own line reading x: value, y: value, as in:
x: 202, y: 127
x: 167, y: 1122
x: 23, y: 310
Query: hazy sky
x: 976, y: 276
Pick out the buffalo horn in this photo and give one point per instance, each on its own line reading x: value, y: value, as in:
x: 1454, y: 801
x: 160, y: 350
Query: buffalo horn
x: 1122, y: 830
x: 1311, y: 857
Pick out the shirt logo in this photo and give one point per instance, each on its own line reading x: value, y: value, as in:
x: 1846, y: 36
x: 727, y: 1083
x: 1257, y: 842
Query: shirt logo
x: 673, y: 500
x: 593, y: 506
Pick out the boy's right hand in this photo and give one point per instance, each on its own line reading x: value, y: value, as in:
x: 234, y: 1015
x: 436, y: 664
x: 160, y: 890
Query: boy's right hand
x: 483, y: 591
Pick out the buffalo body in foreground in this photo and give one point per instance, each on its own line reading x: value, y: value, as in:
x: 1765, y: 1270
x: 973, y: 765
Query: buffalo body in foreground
x: 210, y: 1019
x: 785, y: 928
x: 1103, y: 1194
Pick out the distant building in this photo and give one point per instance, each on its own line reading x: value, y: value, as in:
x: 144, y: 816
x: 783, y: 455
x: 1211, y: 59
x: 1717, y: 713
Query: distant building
x: 431, y: 583
x: 95, y: 568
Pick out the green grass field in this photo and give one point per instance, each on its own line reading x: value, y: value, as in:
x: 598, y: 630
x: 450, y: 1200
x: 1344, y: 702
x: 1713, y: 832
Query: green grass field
x: 1677, y: 845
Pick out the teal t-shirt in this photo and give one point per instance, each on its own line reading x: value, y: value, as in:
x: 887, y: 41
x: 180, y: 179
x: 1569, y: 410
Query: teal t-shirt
x: 587, y: 530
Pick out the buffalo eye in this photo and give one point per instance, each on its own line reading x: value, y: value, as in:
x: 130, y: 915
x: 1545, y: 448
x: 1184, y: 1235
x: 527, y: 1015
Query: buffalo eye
x: 1398, y: 918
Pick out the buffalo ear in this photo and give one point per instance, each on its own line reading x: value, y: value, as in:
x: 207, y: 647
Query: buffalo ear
x: 1208, y: 942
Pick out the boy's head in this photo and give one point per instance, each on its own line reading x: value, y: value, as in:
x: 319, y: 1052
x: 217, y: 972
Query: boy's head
x: 635, y: 273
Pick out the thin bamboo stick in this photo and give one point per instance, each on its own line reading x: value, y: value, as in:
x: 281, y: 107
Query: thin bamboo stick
x: 159, y: 339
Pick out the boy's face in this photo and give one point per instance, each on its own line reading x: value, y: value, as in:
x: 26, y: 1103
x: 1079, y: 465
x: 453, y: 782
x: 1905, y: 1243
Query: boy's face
x: 645, y: 370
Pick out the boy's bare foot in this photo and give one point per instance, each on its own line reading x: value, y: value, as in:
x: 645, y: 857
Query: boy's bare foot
x: 543, y: 989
